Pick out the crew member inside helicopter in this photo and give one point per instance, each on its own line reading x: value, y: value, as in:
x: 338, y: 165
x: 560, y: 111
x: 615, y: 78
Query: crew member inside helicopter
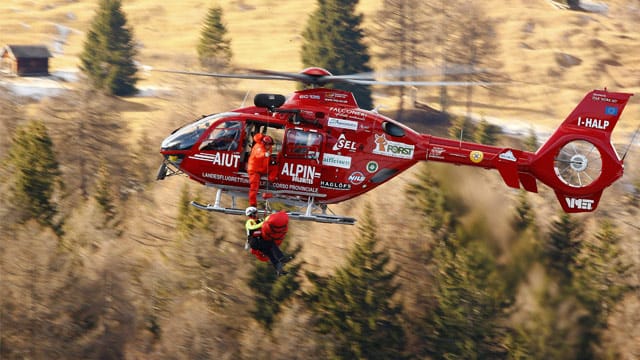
x: 224, y: 138
x: 259, y: 164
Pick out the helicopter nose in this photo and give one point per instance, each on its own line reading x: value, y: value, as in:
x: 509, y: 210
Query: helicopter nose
x: 162, y: 171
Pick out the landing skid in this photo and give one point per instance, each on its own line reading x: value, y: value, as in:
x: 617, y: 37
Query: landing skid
x: 307, y: 215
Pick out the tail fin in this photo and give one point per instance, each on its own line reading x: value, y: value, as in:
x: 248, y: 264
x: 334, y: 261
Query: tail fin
x: 578, y: 161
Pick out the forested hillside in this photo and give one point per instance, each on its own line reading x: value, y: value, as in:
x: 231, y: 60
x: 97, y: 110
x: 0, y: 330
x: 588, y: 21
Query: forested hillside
x: 99, y: 260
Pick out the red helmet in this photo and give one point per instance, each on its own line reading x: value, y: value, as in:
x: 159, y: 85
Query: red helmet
x: 267, y: 140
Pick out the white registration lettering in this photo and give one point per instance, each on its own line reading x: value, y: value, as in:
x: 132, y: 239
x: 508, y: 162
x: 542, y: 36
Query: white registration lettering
x: 593, y: 123
x: 582, y: 204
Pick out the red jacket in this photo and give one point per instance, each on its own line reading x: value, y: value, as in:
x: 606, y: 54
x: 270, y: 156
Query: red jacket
x: 259, y: 158
x: 273, y: 228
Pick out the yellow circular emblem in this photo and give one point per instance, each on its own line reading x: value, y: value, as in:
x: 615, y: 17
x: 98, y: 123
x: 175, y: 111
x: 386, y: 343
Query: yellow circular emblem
x: 476, y: 156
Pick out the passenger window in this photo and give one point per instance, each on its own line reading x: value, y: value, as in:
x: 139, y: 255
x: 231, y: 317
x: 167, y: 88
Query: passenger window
x: 392, y: 129
x: 223, y: 138
x: 303, y: 144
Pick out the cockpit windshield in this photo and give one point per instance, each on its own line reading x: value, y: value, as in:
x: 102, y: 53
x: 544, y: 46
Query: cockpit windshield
x: 185, y: 137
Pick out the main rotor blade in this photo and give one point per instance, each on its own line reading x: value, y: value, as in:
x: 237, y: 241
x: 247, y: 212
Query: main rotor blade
x: 230, y: 76
x: 415, y: 72
x: 320, y: 80
x: 307, y: 79
x: 423, y: 83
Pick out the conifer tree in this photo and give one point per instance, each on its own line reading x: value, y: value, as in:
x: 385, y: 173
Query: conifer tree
x: 545, y: 332
x: 104, y: 196
x: 486, y: 133
x: 525, y: 244
x: 600, y: 280
x: 184, y: 224
x: 190, y: 219
x: 425, y: 196
x: 214, y: 50
x: 562, y: 247
x: 469, y: 295
x: 634, y: 194
x: 525, y: 216
x: 531, y: 142
x: 33, y: 163
x: 334, y: 40
x: 109, y: 50
x: 462, y: 128
x: 272, y: 291
x: 354, y: 307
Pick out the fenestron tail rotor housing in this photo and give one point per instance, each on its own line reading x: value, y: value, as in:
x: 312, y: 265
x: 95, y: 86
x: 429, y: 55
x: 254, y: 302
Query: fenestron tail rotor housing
x: 578, y: 163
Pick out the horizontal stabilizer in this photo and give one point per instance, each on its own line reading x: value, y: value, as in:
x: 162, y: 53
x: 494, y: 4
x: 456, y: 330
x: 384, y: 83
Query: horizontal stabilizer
x: 507, y: 164
x: 509, y: 174
x: 529, y: 182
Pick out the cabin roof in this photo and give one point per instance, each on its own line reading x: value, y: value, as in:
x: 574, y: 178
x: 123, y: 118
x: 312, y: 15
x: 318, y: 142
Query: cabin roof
x: 27, y: 51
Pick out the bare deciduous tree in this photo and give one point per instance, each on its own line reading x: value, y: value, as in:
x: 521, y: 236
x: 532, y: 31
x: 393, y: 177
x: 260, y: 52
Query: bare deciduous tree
x: 88, y: 130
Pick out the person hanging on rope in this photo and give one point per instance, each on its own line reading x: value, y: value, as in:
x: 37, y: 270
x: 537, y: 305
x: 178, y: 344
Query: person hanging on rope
x: 264, y: 236
x: 259, y: 165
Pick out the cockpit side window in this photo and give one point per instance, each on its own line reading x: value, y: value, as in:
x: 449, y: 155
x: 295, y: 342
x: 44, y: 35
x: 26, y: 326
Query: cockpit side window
x: 303, y: 144
x: 185, y: 137
x: 225, y: 137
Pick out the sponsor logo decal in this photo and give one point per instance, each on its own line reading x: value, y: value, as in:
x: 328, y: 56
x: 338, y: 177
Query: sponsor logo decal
x: 336, y: 97
x: 476, y: 156
x: 507, y: 155
x: 349, y: 113
x: 604, y: 98
x: 356, y: 178
x: 293, y: 187
x: 336, y: 161
x: 593, y: 123
x: 311, y: 96
x: 220, y: 159
x: 300, y: 173
x: 611, y: 110
x: 372, y: 166
x: 343, y: 143
x: 392, y: 148
x: 335, y: 185
x: 582, y: 204
x: 343, y: 124
x: 436, y: 153
x: 222, y: 177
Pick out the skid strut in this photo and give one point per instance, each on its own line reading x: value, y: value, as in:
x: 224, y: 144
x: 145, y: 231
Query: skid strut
x: 308, y: 214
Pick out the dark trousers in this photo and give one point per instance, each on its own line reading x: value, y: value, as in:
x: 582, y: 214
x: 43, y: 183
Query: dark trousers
x: 268, y: 248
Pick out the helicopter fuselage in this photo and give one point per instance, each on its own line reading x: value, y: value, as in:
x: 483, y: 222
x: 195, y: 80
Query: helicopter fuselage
x: 326, y: 147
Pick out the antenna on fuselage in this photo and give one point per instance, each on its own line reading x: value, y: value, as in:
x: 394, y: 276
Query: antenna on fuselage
x: 630, y: 143
x: 246, y: 95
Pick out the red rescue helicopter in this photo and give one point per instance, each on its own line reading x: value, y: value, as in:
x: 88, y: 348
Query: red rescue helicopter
x: 329, y: 150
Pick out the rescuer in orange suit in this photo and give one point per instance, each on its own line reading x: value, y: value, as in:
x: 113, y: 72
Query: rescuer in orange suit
x: 259, y: 165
